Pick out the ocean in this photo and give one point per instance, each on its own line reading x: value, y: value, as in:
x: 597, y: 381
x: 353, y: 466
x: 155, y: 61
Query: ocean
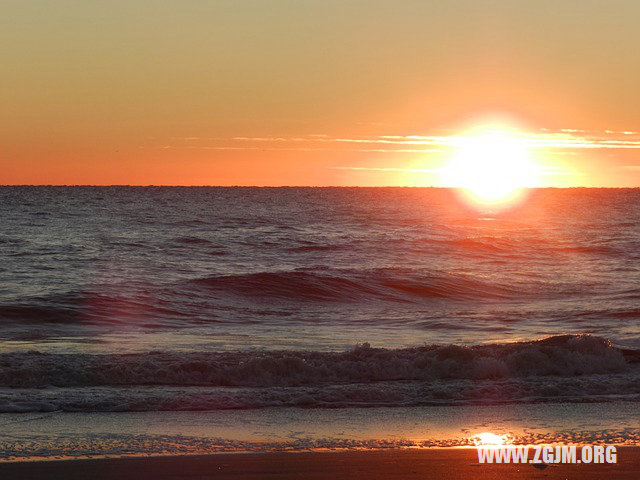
x: 247, y: 318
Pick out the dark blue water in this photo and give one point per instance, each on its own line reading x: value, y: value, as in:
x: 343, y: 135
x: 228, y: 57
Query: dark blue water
x: 204, y: 298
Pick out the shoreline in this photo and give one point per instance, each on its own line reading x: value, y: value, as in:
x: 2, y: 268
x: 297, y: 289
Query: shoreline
x: 64, y: 435
x: 445, y: 463
x: 292, y: 451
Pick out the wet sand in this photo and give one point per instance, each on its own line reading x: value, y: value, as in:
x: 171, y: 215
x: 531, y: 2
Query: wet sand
x: 454, y: 464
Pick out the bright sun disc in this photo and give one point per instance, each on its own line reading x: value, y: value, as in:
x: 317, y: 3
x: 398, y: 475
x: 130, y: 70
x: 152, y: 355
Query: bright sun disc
x: 492, y: 167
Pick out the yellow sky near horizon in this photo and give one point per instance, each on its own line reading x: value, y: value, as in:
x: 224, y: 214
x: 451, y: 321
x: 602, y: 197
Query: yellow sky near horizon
x: 313, y: 92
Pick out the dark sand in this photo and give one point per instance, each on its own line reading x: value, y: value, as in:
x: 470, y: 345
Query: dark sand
x: 371, y: 465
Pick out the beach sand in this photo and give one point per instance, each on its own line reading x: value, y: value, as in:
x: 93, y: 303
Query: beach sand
x: 372, y: 465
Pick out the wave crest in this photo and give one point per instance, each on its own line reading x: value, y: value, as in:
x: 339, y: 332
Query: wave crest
x: 566, y: 356
x: 395, y: 286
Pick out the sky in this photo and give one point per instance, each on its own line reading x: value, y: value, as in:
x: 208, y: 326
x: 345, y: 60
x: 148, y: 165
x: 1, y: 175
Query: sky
x: 305, y: 92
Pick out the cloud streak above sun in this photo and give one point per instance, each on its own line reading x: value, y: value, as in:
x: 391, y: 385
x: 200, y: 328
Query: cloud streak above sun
x: 561, y: 139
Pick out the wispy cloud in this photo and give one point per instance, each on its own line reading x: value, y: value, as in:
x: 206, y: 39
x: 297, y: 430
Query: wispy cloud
x: 544, y: 170
x: 566, y: 139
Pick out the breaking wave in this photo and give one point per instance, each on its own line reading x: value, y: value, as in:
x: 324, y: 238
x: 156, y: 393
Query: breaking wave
x: 568, y: 367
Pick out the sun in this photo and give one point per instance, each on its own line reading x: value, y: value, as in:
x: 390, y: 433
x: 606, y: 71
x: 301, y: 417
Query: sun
x: 491, y: 165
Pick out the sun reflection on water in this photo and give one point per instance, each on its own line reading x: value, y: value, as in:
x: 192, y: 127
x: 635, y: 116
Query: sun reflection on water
x: 488, y: 438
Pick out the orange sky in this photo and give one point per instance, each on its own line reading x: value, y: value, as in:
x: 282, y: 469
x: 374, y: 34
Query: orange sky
x: 312, y: 92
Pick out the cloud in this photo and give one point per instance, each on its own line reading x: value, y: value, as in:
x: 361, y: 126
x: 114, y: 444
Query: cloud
x: 566, y: 139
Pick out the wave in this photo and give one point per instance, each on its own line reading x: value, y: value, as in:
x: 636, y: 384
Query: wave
x: 345, y: 286
x: 562, y: 368
x: 287, y: 285
x: 88, y: 307
x: 564, y: 356
x: 187, y: 301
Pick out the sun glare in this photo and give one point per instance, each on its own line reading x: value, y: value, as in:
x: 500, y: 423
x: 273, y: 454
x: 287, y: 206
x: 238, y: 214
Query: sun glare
x: 492, y: 166
x: 488, y: 438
